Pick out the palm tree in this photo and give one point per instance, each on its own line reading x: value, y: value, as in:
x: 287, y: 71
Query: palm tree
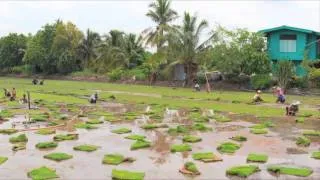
x: 161, y: 13
x: 133, y: 47
x: 88, y: 46
x: 185, y: 46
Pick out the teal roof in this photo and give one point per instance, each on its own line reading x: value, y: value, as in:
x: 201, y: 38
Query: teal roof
x: 289, y: 28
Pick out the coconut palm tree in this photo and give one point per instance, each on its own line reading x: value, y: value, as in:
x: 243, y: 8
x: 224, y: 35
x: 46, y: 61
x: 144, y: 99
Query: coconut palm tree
x: 88, y: 46
x: 161, y: 13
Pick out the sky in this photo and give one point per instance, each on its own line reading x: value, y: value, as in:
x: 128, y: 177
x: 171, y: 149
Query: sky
x: 129, y: 16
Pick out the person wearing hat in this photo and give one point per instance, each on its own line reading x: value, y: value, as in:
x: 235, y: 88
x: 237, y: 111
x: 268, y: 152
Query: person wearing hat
x: 257, y: 97
x: 280, y: 95
x: 293, y: 108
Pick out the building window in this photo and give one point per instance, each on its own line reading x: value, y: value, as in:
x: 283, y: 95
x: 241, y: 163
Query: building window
x: 288, y: 43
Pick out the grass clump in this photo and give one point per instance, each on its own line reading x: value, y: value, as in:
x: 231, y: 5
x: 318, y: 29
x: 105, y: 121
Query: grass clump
x: 42, y: 173
x: 40, y: 117
x: 191, y: 139
x: 206, y: 157
x: 201, y: 127
x: 115, y: 159
x: 180, y: 148
x: 139, y: 144
x: 8, y: 131
x: 303, y: 141
x: 136, y: 137
x: 3, y: 159
x: 121, y: 131
x: 262, y: 158
x: 154, y: 126
x: 85, y: 147
x: 19, y: 138
x: 84, y: 126
x: 58, y: 156
x: 294, y: 171
x: 65, y: 137
x: 316, y: 155
x: 311, y: 133
x: 46, y: 131
x: 94, y: 121
x: 239, y: 138
x: 46, y: 145
x: 228, y: 147
x: 127, y: 175
x: 19, y: 146
x: 243, y: 170
x: 258, y: 131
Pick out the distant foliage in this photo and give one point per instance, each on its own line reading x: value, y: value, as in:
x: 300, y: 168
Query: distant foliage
x: 261, y: 81
x: 284, y: 72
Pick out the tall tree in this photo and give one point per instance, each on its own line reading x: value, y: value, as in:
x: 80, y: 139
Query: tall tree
x: 161, y: 13
x: 88, y: 46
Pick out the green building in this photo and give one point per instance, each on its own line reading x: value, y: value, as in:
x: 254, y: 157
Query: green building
x: 294, y: 44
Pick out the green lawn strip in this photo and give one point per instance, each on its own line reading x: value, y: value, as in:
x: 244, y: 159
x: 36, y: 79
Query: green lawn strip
x: 191, y: 139
x: 46, y: 131
x: 8, y: 131
x: 228, y: 147
x: 3, y: 159
x: 121, y: 131
x: 85, y: 147
x: 135, y: 137
x: 303, y: 141
x: 180, y: 148
x: 294, y: 171
x: 154, y: 126
x: 83, y: 125
x: 258, y: 131
x: 115, y: 159
x: 58, y: 156
x: 316, y: 155
x: 127, y: 175
x: 140, y: 144
x: 242, y: 170
x: 261, y: 158
x: 206, y: 157
x: 46, y: 145
x: 311, y: 133
x: 65, y: 137
x: 239, y: 138
x: 42, y: 173
x: 19, y: 138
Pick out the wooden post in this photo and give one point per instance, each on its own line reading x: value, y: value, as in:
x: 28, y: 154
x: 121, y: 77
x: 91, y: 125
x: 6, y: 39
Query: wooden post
x: 28, y: 99
x: 208, y: 85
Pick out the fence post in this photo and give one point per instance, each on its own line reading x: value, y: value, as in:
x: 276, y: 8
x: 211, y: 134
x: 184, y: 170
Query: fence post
x: 28, y: 99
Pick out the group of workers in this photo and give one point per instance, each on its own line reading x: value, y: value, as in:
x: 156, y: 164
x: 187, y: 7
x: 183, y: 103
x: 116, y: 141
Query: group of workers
x: 13, y: 95
x: 291, y: 109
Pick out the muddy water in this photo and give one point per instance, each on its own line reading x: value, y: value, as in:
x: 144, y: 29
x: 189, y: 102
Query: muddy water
x: 158, y: 162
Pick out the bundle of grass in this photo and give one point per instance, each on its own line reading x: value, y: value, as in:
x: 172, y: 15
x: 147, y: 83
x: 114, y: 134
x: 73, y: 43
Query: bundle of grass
x: 243, y: 170
x: 316, y: 155
x: 221, y: 118
x: 58, y: 156
x: 84, y: 126
x: 115, y: 159
x: 311, y: 133
x: 121, y: 131
x: 239, y: 138
x: 139, y: 144
x: 85, y: 147
x: 303, y: 141
x: 260, y: 158
x: 228, y: 147
x: 180, y: 129
x: 201, y: 127
x: 294, y: 171
x: 46, y: 131
x: 42, y: 173
x: 191, y: 139
x: 46, y: 145
x: 94, y: 121
x: 40, y: 117
x: 189, y: 168
x: 206, y: 157
x: 258, y: 131
x: 300, y: 120
x: 8, y: 131
x: 135, y: 137
x: 64, y: 137
x: 5, y: 114
x: 180, y: 148
x: 154, y: 126
x: 19, y: 146
x: 126, y: 175
x: 3, y: 159
x: 19, y: 138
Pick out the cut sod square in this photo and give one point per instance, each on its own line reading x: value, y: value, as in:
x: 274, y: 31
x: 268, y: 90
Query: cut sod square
x: 189, y: 168
x: 228, y: 147
x: 239, y: 138
x: 206, y: 157
x: 46, y: 145
x: 19, y: 138
x: 84, y: 126
x: 65, y: 137
x: 300, y: 120
x: 258, y: 131
x: 261, y: 158
x: 180, y: 148
x: 121, y: 131
x: 3, y: 159
x: 42, y: 173
x: 311, y: 133
x: 154, y: 126
x: 243, y: 170
x: 139, y: 144
x: 46, y: 131
x: 58, y: 156
x: 288, y: 170
x: 135, y: 137
x: 201, y: 127
x: 94, y: 121
x: 85, y: 147
x: 303, y: 141
x: 127, y: 175
x: 19, y: 146
x: 316, y: 155
x: 191, y: 139
x: 115, y: 159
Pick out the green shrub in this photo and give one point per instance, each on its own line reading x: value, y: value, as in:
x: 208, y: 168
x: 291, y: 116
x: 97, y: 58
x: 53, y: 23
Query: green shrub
x: 19, y: 138
x: 243, y: 170
x: 314, y: 77
x: 299, y: 82
x: 257, y: 158
x: 115, y: 74
x: 42, y: 173
x: 295, y: 171
x: 261, y: 81
x: 127, y: 175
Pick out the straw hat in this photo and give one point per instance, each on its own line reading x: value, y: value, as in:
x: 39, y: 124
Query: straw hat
x: 296, y: 103
x: 259, y: 91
